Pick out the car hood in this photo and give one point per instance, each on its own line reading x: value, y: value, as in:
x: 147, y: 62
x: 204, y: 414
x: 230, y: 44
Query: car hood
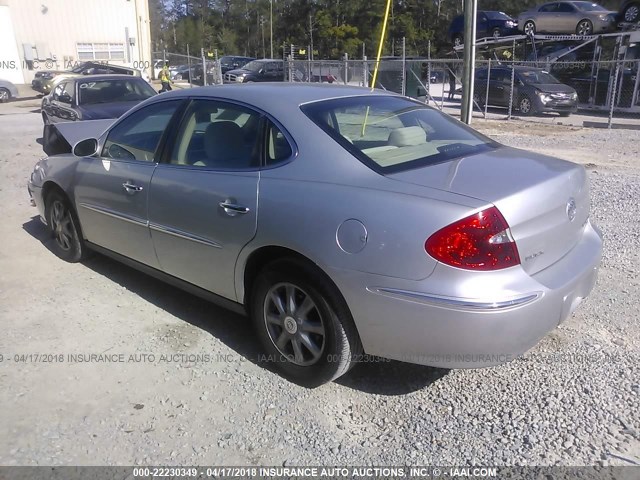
x: 105, y: 110
x: 553, y: 87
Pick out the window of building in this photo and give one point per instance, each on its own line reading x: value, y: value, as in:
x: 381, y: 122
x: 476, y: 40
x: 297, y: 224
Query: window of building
x: 100, y: 51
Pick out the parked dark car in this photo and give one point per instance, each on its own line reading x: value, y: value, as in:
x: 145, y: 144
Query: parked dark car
x: 629, y: 11
x: 232, y: 62
x: 488, y: 24
x: 91, y: 97
x: 264, y: 70
x: 595, y: 92
x: 534, y: 91
x: 46, y: 80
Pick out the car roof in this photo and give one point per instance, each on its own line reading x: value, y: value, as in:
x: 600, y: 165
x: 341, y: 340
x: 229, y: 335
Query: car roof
x: 272, y: 96
x: 104, y: 76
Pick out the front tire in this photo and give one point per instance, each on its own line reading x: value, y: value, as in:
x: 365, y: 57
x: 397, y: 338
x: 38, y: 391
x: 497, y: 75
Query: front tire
x: 525, y: 106
x: 64, y: 226
x: 631, y: 14
x: 303, y: 323
x: 584, y: 27
x: 496, y: 33
x: 458, y: 41
x: 529, y: 28
x: 5, y: 96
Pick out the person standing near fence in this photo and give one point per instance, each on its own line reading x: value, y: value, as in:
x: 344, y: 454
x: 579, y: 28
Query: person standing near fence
x: 165, y: 78
x: 451, y: 70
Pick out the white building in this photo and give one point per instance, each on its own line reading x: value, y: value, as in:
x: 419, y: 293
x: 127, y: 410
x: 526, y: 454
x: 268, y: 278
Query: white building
x: 58, y: 34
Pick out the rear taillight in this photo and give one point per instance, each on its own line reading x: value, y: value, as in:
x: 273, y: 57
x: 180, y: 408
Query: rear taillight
x: 481, y: 241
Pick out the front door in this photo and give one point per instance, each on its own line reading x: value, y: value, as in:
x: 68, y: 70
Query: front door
x: 113, y: 188
x: 204, y: 195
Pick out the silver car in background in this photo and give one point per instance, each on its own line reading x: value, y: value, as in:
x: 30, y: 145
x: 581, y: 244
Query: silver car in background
x: 343, y: 221
x: 577, y: 17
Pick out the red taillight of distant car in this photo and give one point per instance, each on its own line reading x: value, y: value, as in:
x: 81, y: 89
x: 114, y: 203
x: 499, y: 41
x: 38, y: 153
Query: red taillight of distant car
x: 481, y: 241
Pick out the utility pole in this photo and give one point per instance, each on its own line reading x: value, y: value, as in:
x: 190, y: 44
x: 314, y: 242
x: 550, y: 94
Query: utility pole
x: 469, y: 59
x: 311, y: 35
x: 271, y: 25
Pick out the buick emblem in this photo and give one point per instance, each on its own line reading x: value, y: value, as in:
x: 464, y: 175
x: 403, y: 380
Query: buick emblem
x: 571, y: 209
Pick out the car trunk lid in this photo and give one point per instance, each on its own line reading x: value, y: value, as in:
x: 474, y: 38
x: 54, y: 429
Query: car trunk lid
x: 544, y: 200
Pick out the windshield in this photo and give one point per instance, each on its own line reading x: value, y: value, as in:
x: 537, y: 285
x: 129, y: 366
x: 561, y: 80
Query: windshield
x: 392, y: 134
x: 111, y: 91
x: 589, y: 7
x: 534, y: 77
x: 254, y: 66
x: 498, y: 16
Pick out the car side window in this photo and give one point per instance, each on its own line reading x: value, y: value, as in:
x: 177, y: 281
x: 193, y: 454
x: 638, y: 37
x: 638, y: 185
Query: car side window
x: 57, y: 91
x: 138, y: 135
x: 218, y: 135
x: 565, y: 8
x: 277, y: 145
x: 548, y: 8
x: 68, y: 93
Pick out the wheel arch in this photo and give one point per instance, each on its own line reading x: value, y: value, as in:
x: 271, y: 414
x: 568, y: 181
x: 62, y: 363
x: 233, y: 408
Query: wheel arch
x: 264, y: 255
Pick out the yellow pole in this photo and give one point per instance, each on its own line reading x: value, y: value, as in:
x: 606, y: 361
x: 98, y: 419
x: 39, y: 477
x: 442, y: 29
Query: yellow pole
x: 375, y: 70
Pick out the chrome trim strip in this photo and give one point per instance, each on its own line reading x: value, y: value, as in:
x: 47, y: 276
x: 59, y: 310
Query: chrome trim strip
x: 456, y: 303
x: 184, y: 235
x: 113, y: 214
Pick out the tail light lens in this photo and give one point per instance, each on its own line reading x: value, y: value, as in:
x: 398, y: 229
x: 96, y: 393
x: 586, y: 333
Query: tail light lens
x: 481, y: 241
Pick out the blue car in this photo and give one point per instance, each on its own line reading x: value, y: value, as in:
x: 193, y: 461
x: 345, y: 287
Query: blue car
x: 488, y: 24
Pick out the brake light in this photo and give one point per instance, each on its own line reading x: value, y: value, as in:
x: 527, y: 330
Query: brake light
x: 481, y: 241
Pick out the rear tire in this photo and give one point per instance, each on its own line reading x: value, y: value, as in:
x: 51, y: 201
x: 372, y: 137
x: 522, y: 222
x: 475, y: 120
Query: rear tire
x: 65, y: 228
x: 303, y: 323
x: 5, y: 95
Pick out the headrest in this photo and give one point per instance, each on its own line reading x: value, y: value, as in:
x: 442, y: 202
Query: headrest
x: 407, y: 136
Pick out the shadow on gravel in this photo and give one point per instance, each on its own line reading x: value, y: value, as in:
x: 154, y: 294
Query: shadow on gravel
x: 389, y: 377
x: 379, y: 376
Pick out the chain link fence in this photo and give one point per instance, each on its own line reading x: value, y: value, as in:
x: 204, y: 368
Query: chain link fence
x: 592, y: 93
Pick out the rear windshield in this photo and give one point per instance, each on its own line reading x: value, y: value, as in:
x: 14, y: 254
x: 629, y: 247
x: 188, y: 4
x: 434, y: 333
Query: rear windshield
x: 392, y: 134
x: 589, y: 7
x: 111, y: 91
x: 537, y: 77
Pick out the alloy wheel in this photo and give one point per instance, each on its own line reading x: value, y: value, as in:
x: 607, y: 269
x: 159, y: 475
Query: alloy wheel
x: 529, y: 28
x: 61, y: 224
x: 294, y: 324
x: 4, y: 95
x: 584, y: 28
x: 525, y: 106
x: 631, y: 14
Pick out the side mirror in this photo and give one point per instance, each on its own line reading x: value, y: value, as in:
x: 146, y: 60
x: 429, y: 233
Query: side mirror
x: 86, y: 148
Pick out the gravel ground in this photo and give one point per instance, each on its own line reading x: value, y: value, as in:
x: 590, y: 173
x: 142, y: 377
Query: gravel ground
x: 573, y: 400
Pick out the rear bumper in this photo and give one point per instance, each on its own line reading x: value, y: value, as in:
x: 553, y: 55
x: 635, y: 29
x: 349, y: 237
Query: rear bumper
x: 459, y: 319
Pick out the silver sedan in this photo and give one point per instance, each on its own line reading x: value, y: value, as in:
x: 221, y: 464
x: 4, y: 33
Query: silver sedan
x: 579, y: 17
x: 345, y: 222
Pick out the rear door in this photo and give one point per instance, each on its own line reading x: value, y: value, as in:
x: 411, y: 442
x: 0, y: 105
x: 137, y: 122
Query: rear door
x: 204, y: 195
x: 565, y: 20
x: 112, y: 188
x: 545, y: 19
x: 499, y: 86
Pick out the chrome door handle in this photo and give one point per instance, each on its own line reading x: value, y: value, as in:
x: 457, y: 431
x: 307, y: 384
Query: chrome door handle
x: 131, y: 187
x: 232, y: 208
